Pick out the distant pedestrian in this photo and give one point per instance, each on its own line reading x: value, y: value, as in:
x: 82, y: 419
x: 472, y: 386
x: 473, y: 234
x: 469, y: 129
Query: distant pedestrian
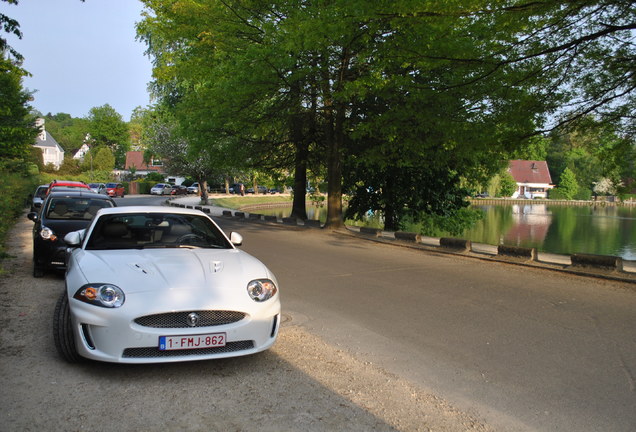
x: 242, y: 189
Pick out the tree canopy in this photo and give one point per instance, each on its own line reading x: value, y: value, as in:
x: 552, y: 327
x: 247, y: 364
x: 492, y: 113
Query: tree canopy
x: 107, y: 128
x: 399, y: 102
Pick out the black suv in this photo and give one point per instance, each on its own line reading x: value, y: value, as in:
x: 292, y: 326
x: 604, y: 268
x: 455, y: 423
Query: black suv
x: 61, y: 213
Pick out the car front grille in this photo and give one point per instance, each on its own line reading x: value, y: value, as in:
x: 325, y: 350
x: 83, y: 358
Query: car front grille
x: 181, y: 319
x: 152, y: 352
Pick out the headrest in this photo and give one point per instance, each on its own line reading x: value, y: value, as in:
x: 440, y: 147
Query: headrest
x: 115, y: 229
x: 179, y: 229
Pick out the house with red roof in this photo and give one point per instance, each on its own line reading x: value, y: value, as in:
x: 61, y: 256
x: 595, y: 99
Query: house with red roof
x: 532, y: 177
x: 135, y: 161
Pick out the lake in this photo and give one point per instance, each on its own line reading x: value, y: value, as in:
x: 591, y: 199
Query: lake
x: 602, y: 230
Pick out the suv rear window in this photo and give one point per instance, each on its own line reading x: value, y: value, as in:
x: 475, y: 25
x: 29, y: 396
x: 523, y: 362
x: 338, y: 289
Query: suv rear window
x: 75, y: 208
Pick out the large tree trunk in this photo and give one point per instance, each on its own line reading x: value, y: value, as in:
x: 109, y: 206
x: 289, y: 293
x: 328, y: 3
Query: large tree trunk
x: 334, y: 139
x: 203, y: 189
x: 334, y: 136
x: 299, y: 209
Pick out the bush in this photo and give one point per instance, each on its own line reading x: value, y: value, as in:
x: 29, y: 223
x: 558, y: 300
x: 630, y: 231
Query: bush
x: 448, y: 225
x: 583, y: 194
x: 15, y: 189
x: 556, y: 194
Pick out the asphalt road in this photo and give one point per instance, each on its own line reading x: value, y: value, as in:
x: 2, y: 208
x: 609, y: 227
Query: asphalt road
x: 525, y: 349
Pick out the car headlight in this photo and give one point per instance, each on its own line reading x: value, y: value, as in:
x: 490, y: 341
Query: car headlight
x: 47, y: 234
x: 104, y: 295
x: 261, y: 289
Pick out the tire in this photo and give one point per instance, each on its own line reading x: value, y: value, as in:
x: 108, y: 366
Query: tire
x: 63, y: 331
x: 38, y: 271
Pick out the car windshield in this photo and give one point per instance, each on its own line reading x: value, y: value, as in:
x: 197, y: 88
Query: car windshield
x: 78, y: 208
x: 155, y: 230
x: 111, y: 185
x: 93, y: 185
x: 41, y: 191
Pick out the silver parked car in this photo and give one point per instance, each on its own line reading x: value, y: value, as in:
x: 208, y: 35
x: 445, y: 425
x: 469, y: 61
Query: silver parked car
x: 161, y: 189
x: 98, y: 188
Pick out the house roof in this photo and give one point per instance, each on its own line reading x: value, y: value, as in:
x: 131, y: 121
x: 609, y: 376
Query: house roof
x: 530, y: 171
x: 135, y: 159
x: 45, y: 139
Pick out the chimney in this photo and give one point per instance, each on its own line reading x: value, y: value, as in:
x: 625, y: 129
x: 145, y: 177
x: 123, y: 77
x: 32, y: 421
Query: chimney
x: 39, y: 123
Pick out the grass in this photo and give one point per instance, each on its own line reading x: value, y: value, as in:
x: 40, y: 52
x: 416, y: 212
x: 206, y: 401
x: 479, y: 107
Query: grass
x: 242, y: 202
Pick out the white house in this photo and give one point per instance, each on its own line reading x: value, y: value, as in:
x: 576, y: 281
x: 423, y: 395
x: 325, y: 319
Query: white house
x: 79, y: 155
x: 52, y: 152
x: 532, y: 177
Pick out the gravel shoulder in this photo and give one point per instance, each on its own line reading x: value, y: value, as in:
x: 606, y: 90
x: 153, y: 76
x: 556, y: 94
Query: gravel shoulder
x: 302, y: 384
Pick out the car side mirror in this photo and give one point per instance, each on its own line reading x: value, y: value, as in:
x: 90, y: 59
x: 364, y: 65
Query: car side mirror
x: 33, y: 216
x: 74, y: 238
x: 236, y: 239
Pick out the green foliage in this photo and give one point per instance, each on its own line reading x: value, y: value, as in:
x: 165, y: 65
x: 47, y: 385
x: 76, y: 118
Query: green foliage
x: 401, y: 193
x: 144, y: 186
x: 107, y: 128
x: 17, y: 131
x: 443, y: 226
x: 568, y: 186
x: 15, y: 187
x: 593, y: 151
x: 104, y: 159
x: 69, y: 167
x: 507, y: 185
x: 155, y: 177
x: 377, y: 89
x: 69, y: 132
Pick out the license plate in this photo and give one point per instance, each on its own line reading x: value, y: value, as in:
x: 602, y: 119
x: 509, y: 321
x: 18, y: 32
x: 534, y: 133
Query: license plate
x: 167, y: 343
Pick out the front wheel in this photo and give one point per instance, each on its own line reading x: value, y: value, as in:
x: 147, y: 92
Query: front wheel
x: 63, y: 331
x: 38, y: 271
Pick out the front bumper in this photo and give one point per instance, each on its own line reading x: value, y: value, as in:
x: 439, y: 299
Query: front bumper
x: 113, y: 335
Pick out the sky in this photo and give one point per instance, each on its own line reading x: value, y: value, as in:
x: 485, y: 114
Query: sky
x: 81, y: 54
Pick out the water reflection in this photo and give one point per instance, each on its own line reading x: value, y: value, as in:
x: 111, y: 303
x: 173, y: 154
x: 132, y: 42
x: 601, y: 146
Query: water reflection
x: 530, y: 225
x: 560, y: 229
x: 603, y: 230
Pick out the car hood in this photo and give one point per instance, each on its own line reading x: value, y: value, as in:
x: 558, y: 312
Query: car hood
x: 167, y: 269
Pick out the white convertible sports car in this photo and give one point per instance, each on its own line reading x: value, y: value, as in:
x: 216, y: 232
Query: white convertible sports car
x: 160, y: 284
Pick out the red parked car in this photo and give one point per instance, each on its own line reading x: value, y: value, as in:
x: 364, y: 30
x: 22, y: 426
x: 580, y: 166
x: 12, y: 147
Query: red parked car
x: 179, y: 190
x: 115, y: 190
x: 68, y: 184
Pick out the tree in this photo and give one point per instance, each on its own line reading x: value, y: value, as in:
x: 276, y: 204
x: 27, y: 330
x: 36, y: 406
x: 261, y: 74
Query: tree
x: 17, y: 131
x: 162, y: 137
x: 106, y: 127
x: 9, y: 25
x: 375, y: 87
x: 69, y: 132
x: 69, y: 166
x: 104, y: 159
x: 568, y: 187
x: 507, y: 185
x: 605, y: 186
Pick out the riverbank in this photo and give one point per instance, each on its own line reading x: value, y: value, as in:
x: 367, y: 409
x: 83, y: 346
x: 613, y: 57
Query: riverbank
x: 516, y: 201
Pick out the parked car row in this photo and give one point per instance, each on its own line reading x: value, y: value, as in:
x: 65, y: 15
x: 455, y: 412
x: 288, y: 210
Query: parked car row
x: 208, y: 299
x: 171, y: 189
